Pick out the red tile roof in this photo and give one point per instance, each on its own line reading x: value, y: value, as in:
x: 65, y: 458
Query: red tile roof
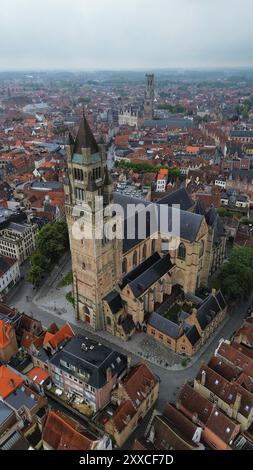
x: 222, y: 426
x: 193, y: 404
x: 64, y: 433
x: 138, y: 382
x: 9, y: 381
x: 56, y: 339
x: 124, y: 413
x: 38, y: 375
x: 5, y: 331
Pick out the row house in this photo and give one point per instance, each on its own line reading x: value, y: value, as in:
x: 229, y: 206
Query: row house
x: 64, y: 433
x: 218, y: 430
x: 87, y: 369
x: 230, y: 397
x: 171, y: 430
x: 135, y: 395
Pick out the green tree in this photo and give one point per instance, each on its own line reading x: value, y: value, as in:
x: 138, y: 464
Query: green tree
x: 35, y: 275
x: 235, y: 277
x: 52, y: 241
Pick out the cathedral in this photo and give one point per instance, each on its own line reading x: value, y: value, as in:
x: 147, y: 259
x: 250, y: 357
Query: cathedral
x: 118, y: 283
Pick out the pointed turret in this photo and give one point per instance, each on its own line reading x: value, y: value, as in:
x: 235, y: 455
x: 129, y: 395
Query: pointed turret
x: 71, y: 140
x: 107, y: 187
x: 85, y: 138
x: 107, y: 177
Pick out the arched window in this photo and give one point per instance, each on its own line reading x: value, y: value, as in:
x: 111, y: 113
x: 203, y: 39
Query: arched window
x: 135, y: 259
x: 124, y: 266
x: 108, y: 321
x: 153, y: 246
x: 181, y: 251
x: 144, y: 252
x: 201, y: 249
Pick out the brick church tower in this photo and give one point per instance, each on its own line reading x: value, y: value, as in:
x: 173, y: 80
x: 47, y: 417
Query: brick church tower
x: 149, y: 97
x: 96, y: 260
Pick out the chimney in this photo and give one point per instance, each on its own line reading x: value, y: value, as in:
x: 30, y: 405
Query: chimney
x: 237, y: 404
x: 194, y: 311
x: 214, y: 291
x: 203, y: 378
x: 129, y: 360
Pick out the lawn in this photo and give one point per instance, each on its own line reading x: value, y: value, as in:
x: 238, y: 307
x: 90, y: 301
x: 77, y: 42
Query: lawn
x: 173, y: 312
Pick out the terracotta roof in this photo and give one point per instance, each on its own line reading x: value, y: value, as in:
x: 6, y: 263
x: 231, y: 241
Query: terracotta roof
x: 56, y: 339
x: 5, y: 331
x: 29, y: 338
x: 122, y: 415
x: 244, y: 349
x: 228, y: 371
x: 193, y: 404
x: 64, y: 433
x: 179, y: 421
x: 226, y: 391
x: 9, y: 381
x: 245, y: 333
x: 235, y: 357
x: 138, y: 382
x: 168, y: 437
x: 38, y: 375
x: 223, y: 426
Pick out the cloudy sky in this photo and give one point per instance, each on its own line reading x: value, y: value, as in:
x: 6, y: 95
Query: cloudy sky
x: 125, y: 34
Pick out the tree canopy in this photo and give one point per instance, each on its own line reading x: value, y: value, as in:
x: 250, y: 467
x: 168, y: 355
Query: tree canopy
x: 52, y: 243
x: 235, y: 277
x: 146, y: 168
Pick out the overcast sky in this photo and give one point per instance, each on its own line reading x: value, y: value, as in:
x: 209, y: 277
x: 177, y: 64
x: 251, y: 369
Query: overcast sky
x: 125, y: 34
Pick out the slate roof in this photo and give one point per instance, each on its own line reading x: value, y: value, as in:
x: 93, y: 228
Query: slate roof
x: 17, y: 227
x: 180, y: 196
x: 5, y: 412
x: 169, y: 122
x: 22, y: 396
x: 85, y: 138
x: 114, y: 301
x: 147, y: 278
x: 128, y: 324
x: 155, y: 214
x: 213, y: 220
x: 241, y: 133
x: 15, y: 442
x: 164, y: 325
x: 209, y: 309
x: 132, y: 275
x: 192, y: 335
x: 94, y: 362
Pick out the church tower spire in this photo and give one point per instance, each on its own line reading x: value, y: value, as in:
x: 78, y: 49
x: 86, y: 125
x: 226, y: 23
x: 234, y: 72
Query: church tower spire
x: 96, y: 261
x: 149, y: 96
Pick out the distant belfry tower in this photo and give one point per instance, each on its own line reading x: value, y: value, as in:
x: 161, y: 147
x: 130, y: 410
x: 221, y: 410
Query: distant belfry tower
x: 149, y: 96
x: 96, y: 262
